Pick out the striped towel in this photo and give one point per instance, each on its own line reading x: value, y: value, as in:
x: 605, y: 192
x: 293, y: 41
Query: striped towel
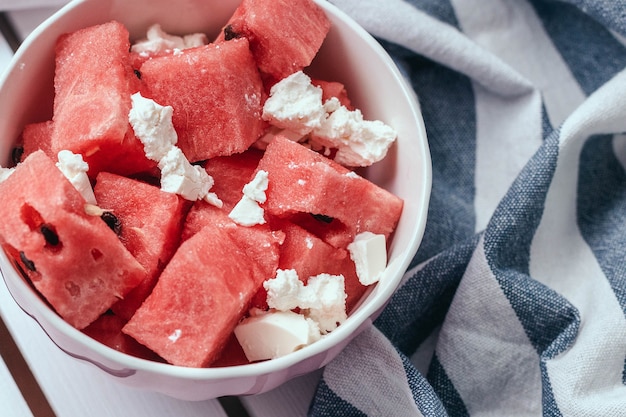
x: 515, y: 303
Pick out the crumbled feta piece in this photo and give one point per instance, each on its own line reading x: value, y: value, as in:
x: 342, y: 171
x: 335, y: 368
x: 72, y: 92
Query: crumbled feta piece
x: 283, y: 291
x: 75, y: 170
x: 247, y: 211
x: 322, y: 299
x: 295, y: 104
x: 152, y: 124
x: 179, y: 176
x: 256, y: 188
x: 157, y: 40
x: 176, y: 334
x: 5, y: 173
x: 329, y: 308
x: 368, y: 251
x: 358, y: 142
x: 274, y: 334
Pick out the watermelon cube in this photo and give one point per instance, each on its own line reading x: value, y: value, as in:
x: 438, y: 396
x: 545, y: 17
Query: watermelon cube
x: 93, y: 83
x: 284, y: 35
x: 202, y: 294
x: 151, y: 223
x: 216, y: 93
x: 337, y: 203
x: 73, y: 259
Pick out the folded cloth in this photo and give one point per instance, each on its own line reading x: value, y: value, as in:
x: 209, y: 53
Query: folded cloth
x: 515, y: 302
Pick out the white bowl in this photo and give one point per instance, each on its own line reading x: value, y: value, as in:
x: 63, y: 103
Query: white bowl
x: 349, y: 55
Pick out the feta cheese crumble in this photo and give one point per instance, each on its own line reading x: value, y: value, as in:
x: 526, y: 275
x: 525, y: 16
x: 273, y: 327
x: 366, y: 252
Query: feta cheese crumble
x: 322, y: 299
x: 153, y: 126
x: 248, y: 212
x: 157, y: 40
x: 368, y: 251
x: 295, y: 105
x: 75, y: 170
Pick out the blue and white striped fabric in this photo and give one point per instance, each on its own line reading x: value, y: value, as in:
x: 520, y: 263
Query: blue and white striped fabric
x: 515, y: 303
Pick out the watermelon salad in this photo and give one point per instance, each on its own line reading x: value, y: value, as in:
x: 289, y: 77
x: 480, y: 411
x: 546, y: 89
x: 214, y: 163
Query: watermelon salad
x: 197, y: 201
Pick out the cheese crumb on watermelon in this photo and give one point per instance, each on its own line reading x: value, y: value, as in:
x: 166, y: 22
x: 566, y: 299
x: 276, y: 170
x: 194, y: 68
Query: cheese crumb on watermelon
x: 322, y: 299
x: 295, y: 104
x: 75, y: 170
x: 247, y: 211
x: 153, y: 126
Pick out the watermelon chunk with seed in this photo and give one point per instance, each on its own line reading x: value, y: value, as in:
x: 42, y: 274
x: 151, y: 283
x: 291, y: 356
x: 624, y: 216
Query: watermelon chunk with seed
x: 93, y: 83
x: 73, y: 259
x: 202, y: 294
x: 284, y: 35
x: 216, y: 93
x: 337, y: 203
x: 151, y: 223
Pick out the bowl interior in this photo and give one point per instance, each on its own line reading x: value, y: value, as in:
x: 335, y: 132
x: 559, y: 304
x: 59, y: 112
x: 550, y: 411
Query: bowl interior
x: 349, y: 55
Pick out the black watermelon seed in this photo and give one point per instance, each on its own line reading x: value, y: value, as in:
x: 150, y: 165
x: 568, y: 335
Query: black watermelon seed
x: 229, y: 33
x: 16, y: 154
x: 27, y: 262
x: 322, y: 218
x: 112, y: 221
x: 138, y: 74
x: 49, y: 234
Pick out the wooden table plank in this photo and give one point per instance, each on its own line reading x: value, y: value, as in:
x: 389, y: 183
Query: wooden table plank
x: 13, y: 404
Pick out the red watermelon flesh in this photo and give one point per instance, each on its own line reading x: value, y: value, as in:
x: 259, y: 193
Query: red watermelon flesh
x: 151, y: 222
x: 260, y: 241
x: 231, y: 173
x: 36, y: 136
x: 204, y: 214
x: 302, y: 181
x: 284, y: 35
x: 93, y: 83
x: 216, y: 93
x: 334, y: 89
x: 73, y: 259
x: 231, y: 355
x: 199, y: 298
x: 107, y: 329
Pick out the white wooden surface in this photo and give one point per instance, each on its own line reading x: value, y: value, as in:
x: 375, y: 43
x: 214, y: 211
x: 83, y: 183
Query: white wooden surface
x: 75, y: 389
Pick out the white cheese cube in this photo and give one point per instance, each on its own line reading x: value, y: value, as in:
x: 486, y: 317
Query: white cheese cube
x: 368, y: 251
x: 275, y: 334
